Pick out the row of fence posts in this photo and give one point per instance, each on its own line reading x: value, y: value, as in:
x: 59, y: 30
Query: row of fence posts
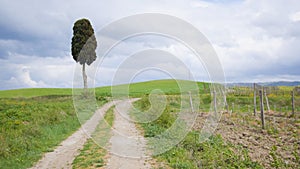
x: 245, y: 92
x: 263, y: 92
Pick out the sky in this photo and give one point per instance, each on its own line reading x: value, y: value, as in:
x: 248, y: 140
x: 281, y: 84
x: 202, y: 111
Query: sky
x: 255, y: 41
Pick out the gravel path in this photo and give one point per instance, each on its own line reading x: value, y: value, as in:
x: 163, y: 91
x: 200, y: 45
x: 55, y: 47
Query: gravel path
x: 128, y: 147
x: 65, y: 153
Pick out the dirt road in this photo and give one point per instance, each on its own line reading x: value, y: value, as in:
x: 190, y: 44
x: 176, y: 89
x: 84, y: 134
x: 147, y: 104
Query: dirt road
x: 128, y: 147
x: 64, y: 154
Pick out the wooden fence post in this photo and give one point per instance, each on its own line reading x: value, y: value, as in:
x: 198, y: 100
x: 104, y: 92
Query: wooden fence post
x: 254, y: 97
x: 191, y: 102
x: 262, y: 110
x: 227, y: 107
x: 225, y: 100
x: 293, y: 103
x: 267, y: 100
x: 215, y: 102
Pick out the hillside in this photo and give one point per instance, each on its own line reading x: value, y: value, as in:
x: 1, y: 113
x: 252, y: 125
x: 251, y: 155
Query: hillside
x: 135, y: 89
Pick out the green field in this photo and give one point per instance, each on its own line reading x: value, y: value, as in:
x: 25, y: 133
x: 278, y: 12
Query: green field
x: 169, y: 87
x: 27, y: 93
x: 34, y: 121
x: 33, y: 126
x: 135, y: 89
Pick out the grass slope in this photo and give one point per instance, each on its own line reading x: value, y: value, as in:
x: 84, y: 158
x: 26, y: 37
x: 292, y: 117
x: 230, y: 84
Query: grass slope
x: 30, y: 127
x: 169, y: 87
x: 34, y: 92
x: 135, y: 89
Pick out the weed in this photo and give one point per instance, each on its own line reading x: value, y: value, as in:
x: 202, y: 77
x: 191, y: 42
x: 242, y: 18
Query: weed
x: 276, y: 161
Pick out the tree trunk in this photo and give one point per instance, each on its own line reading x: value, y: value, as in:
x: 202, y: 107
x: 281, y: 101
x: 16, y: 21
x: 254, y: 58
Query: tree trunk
x: 84, y: 79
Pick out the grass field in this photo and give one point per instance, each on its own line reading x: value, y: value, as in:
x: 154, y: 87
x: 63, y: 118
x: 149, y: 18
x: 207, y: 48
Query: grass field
x: 34, y: 121
x: 27, y: 93
x: 30, y: 127
x: 169, y: 87
x: 135, y: 89
x: 33, y: 126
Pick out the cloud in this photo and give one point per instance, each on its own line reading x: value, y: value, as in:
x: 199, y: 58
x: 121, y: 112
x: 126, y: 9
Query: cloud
x: 23, y: 78
x: 22, y: 71
x: 255, y: 40
x: 295, y: 17
x: 201, y: 4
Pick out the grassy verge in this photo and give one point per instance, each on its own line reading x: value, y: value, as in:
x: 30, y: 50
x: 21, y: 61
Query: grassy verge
x: 85, y: 107
x: 33, y: 126
x: 30, y: 127
x: 158, y: 126
x: 93, y: 155
x: 190, y: 153
x: 214, y: 153
x: 109, y: 116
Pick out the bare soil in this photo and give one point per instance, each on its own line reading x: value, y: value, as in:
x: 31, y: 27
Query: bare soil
x: 244, y: 129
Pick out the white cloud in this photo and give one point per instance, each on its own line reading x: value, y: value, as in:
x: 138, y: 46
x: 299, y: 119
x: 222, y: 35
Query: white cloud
x: 295, y: 17
x: 255, y: 40
x: 200, y: 4
x: 21, y: 71
x: 23, y: 78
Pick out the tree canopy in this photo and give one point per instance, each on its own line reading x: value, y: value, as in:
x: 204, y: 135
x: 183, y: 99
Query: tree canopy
x: 84, y: 42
